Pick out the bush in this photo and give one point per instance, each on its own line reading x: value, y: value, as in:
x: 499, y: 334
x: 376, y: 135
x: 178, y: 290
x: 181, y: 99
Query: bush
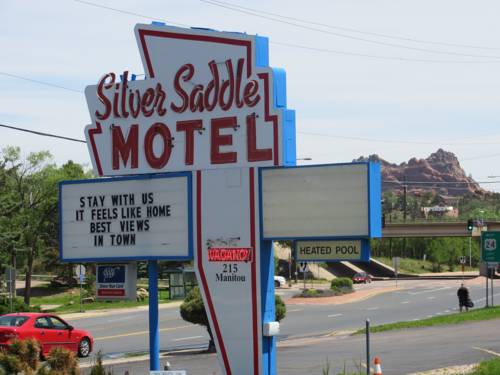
x: 280, y: 308
x: 18, y: 305
x: 341, y: 283
x: 193, y: 311
x: 28, y: 352
x: 62, y: 362
x: 10, y: 364
x: 97, y: 366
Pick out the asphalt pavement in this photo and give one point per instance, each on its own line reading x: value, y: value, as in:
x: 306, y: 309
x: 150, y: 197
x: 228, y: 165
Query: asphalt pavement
x: 402, y: 352
x: 123, y: 332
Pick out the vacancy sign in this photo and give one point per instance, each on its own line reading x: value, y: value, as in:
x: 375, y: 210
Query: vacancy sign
x: 126, y: 218
x: 207, y: 103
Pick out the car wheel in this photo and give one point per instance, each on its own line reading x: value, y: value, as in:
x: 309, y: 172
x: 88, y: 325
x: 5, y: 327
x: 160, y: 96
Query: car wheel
x: 277, y: 284
x: 84, y: 348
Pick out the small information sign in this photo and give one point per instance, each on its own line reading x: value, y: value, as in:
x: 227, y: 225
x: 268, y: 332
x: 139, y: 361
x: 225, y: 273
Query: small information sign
x: 331, y: 250
x: 490, y: 247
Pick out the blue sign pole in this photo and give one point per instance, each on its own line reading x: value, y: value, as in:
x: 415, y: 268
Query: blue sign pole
x: 268, y: 305
x: 154, y: 331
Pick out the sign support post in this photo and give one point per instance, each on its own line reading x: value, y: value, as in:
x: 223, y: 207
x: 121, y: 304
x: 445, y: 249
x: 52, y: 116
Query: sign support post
x: 268, y: 306
x: 154, y: 332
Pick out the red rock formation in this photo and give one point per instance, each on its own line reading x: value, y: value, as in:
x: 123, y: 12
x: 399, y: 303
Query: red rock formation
x: 440, y: 173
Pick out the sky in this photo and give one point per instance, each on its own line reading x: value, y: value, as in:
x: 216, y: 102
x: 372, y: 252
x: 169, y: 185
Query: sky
x: 395, y: 78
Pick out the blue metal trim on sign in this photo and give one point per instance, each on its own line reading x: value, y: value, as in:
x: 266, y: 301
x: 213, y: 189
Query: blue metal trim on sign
x: 374, y: 200
x: 154, y: 327
x: 289, y: 138
x: 279, y: 82
x: 189, y: 177
x: 261, y: 51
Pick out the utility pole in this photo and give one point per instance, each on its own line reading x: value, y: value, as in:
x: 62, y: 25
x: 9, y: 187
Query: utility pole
x: 405, y: 191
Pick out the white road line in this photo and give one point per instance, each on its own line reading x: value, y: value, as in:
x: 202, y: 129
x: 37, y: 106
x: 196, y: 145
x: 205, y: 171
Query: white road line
x: 429, y: 290
x: 405, y: 302
x: 373, y: 308
x: 431, y: 297
x: 447, y: 311
x: 120, y: 319
x: 487, y: 351
x: 334, y: 315
x: 430, y: 316
x: 294, y: 310
x: 188, y: 338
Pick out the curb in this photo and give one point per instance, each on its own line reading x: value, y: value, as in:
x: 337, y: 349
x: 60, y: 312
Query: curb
x: 98, y: 313
x: 452, y: 370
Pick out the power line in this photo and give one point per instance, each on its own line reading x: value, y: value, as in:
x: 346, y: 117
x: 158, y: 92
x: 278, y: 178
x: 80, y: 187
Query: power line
x: 389, y: 36
x: 129, y: 13
x: 439, y: 182
x: 42, y: 133
x: 39, y: 82
x: 381, y: 57
x: 363, y: 139
x: 346, y: 53
x: 310, y: 28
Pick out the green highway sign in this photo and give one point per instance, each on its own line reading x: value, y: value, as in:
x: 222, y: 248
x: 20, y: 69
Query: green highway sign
x: 490, y: 247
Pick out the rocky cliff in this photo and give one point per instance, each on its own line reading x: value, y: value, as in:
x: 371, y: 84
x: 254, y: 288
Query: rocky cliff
x: 440, y: 172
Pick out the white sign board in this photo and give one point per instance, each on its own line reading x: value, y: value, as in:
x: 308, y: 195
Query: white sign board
x: 79, y: 270
x: 395, y: 263
x: 324, y: 201
x: 204, y: 105
x: 126, y: 218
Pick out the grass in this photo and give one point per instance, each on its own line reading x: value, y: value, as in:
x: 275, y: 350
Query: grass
x: 409, y: 265
x: 69, y: 300
x: 488, y: 367
x: 457, y: 318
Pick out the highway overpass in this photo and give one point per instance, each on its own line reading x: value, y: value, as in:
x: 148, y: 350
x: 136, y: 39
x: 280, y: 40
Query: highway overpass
x: 435, y: 229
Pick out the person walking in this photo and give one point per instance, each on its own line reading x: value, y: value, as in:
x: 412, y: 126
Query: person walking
x: 463, y: 298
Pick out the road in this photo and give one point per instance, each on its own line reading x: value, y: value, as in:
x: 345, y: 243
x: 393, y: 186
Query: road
x: 128, y: 332
x: 401, y: 352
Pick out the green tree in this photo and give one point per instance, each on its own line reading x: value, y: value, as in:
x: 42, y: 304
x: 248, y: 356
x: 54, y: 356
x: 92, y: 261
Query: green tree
x: 193, y: 311
x: 29, y: 205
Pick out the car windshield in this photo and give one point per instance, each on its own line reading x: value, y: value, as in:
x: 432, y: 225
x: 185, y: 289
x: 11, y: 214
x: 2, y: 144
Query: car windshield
x: 12, y: 321
x: 359, y: 275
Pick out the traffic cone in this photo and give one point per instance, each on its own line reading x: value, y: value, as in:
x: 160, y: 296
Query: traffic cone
x: 378, y: 366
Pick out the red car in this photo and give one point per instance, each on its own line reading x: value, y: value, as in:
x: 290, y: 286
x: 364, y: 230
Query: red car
x: 361, y: 277
x: 49, y: 330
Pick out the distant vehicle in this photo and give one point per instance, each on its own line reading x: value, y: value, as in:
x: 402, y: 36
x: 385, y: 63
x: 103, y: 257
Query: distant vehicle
x: 361, y: 277
x: 279, y: 281
x: 49, y: 330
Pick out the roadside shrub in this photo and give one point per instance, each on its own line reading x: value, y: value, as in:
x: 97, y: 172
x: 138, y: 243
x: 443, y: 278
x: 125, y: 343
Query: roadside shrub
x: 488, y: 367
x: 62, y: 362
x: 28, y: 352
x: 18, y: 305
x: 280, y: 308
x: 97, y: 366
x: 193, y: 311
x: 341, y: 283
x: 10, y: 363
